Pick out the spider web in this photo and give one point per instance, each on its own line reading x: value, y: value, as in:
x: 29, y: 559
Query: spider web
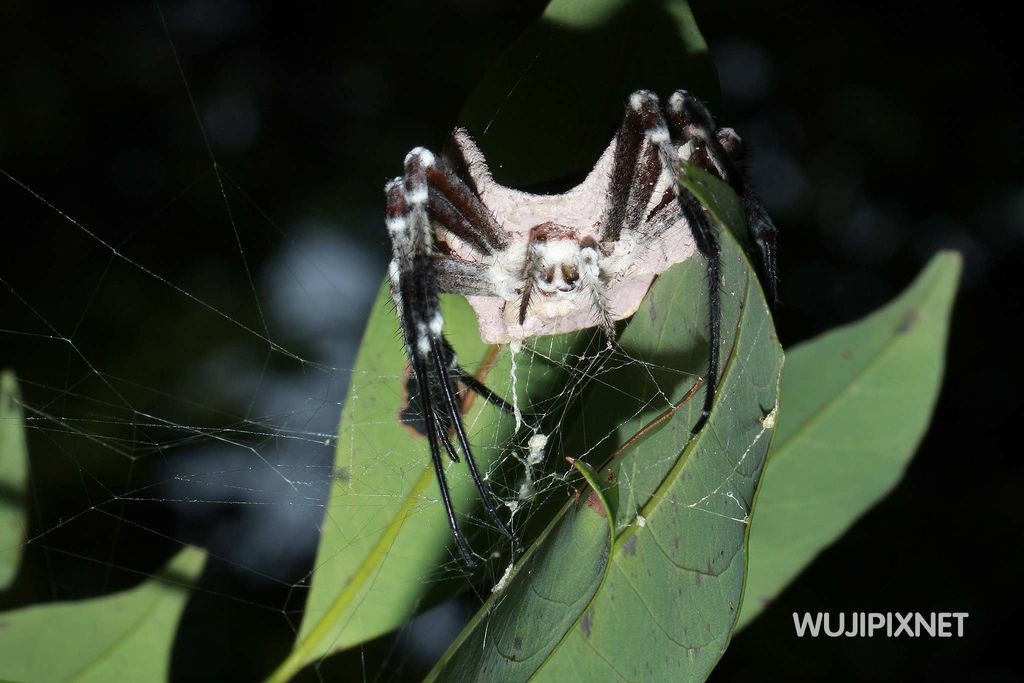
x: 216, y: 423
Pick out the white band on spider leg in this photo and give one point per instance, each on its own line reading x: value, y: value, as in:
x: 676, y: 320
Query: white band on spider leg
x: 417, y: 195
x: 426, y: 157
x: 396, y: 225
x: 729, y: 134
x: 675, y: 102
x: 658, y: 135
x: 422, y: 341
x: 395, y: 277
x: 436, y: 324
x: 637, y: 99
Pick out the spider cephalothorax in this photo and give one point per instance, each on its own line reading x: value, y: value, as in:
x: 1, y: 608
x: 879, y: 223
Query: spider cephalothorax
x: 533, y: 265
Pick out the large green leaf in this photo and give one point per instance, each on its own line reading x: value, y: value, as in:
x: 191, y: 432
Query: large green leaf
x: 384, y: 533
x: 13, y: 479
x: 122, y: 637
x: 856, y: 402
x: 545, y: 110
x: 658, y: 602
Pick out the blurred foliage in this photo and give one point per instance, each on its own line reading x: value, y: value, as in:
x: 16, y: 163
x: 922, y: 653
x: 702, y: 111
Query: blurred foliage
x: 13, y: 479
x: 126, y: 636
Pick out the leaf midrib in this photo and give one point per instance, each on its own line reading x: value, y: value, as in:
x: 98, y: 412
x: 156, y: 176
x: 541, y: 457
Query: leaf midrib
x: 683, y: 457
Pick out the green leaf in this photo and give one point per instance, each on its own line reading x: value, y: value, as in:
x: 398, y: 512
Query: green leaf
x: 532, y: 608
x: 856, y: 402
x: 13, y: 479
x: 659, y: 602
x: 122, y: 637
x: 384, y: 531
x: 547, y: 109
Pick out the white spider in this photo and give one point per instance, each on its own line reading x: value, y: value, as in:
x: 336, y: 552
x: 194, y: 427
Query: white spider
x: 533, y: 265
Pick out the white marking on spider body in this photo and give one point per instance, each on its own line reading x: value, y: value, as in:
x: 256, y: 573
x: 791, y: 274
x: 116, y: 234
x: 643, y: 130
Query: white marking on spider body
x: 590, y: 262
x: 507, y: 285
x: 396, y: 225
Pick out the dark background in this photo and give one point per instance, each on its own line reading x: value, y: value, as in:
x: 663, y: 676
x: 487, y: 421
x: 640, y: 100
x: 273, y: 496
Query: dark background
x: 880, y: 135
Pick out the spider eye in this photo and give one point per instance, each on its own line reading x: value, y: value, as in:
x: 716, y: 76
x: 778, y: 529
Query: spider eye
x: 549, y: 275
x: 570, y: 273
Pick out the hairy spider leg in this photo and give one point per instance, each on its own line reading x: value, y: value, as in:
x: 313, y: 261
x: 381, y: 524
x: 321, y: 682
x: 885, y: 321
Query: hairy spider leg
x: 645, y: 107
x: 407, y: 249
x: 458, y: 208
x: 690, y: 120
x: 632, y: 179
x: 414, y: 288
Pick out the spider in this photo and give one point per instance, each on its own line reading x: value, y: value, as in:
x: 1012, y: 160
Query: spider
x: 533, y: 265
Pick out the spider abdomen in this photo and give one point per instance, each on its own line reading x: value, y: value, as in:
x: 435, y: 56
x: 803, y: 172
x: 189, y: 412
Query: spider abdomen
x: 555, y: 275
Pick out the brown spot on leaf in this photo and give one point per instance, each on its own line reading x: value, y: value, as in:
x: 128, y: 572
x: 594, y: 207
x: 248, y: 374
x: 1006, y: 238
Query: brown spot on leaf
x: 587, y: 621
x: 517, y: 643
x: 909, y: 321
x: 594, y: 501
x: 340, y: 474
x: 411, y: 417
x: 629, y: 547
x: 847, y: 354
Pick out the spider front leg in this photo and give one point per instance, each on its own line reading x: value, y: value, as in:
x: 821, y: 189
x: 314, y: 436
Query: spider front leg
x: 725, y: 153
x: 414, y: 275
x: 644, y: 150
